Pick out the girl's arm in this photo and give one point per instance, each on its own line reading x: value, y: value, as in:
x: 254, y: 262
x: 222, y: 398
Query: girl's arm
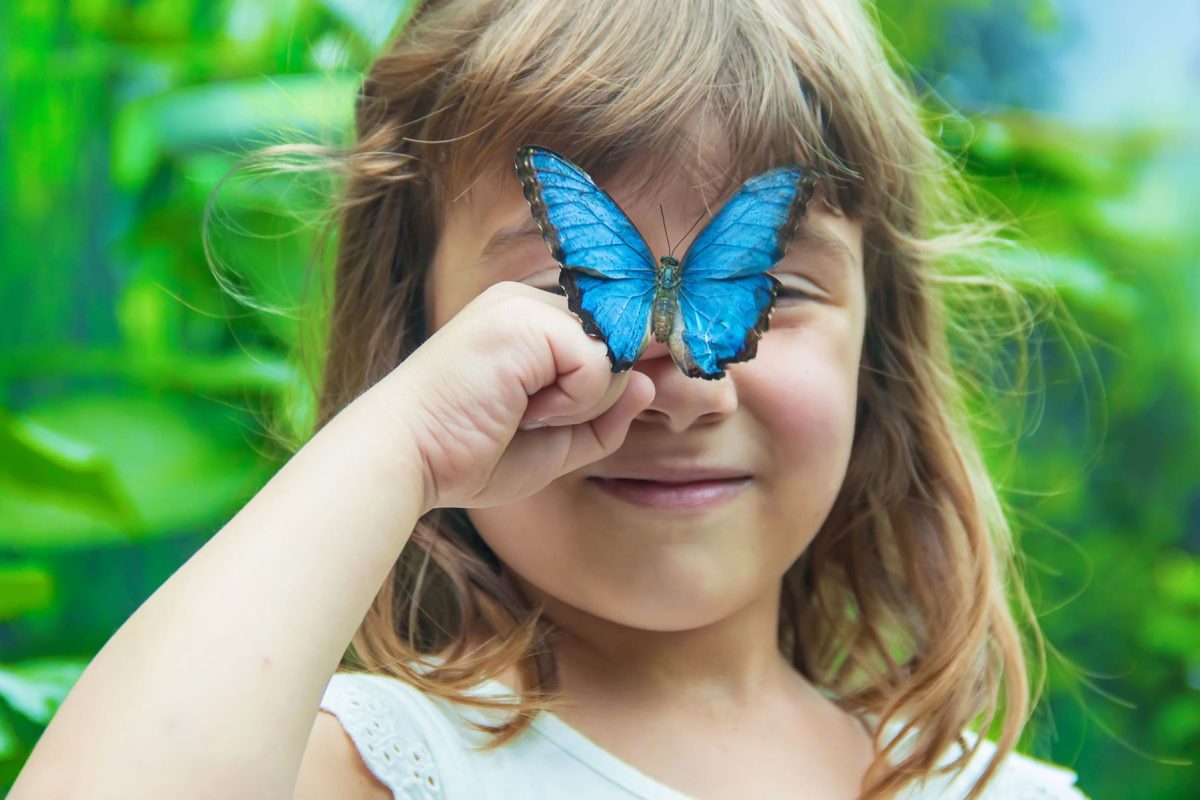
x: 211, y: 687
x: 332, y: 766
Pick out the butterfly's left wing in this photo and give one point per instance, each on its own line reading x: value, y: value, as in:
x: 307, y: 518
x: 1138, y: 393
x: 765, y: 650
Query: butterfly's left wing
x: 727, y: 295
x: 608, y: 272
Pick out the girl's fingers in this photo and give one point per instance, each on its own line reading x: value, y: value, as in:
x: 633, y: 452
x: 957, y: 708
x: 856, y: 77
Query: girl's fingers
x: 569, y: 447
x: 585, y: 384
x: 577, y: 397
x: 500, y: 363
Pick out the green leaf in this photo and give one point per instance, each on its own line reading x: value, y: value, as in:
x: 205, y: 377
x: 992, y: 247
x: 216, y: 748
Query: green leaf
x: 233, y: 375
x: 373, y: 20
x: 10, y: 743
x: 35, y: 689
x: 23, y: 588
x: 1076, y: 278
x: 183, y: 463
x: 234, y: 114
x: 136, y: 145
x: 42, y: 462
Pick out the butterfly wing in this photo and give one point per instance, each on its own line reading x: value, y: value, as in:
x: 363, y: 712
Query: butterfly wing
x: 726, y: 294
x: 608, y: 272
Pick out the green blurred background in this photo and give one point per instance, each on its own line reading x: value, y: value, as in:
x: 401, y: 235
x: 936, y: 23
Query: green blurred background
x: 135, y: 389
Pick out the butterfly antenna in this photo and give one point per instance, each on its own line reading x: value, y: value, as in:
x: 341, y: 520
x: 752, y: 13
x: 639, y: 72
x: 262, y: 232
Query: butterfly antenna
x: 670, y: 250
x: 694, y: 224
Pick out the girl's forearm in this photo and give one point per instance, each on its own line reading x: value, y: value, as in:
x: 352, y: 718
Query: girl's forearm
x: 211, y: 687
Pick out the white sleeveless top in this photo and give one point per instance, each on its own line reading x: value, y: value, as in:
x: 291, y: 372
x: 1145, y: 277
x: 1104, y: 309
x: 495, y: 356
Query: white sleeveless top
x: 420, y: 748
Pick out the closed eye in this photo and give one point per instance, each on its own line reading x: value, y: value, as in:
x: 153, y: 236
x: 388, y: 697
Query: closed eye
x: 792, y: 293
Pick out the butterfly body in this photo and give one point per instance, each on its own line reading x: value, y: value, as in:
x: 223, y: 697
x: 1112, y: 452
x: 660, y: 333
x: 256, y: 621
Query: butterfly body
x: 666, y: 298
x: 710, y: 308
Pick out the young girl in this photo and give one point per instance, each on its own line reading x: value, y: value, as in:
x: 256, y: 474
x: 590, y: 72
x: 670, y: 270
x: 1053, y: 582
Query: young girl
x: 557, y: 580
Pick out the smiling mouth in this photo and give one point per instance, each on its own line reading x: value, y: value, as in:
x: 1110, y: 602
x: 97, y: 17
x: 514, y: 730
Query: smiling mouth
x: 689, y: 495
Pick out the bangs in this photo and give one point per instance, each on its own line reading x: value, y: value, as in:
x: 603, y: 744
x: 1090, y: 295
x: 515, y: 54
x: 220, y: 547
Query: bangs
x: 715, y: 89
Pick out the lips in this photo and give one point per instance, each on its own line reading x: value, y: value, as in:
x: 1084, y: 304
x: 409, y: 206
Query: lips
x: 673, y: 473
x: 675, y: 494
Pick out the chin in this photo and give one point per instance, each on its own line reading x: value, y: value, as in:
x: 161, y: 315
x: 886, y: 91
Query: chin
x: 666, y: 619
x: 652, y: 602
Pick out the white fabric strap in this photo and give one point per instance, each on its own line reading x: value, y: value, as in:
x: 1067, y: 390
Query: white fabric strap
x: 397, y: 755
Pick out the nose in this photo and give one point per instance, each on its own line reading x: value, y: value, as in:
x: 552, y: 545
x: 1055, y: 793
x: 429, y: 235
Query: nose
x: 681, y: 402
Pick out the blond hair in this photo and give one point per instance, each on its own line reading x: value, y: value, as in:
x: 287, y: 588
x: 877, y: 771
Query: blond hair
x: 903, y: 604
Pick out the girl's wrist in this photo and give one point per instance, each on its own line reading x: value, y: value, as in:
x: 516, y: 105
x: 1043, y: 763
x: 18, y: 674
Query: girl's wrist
x: 385, y: 421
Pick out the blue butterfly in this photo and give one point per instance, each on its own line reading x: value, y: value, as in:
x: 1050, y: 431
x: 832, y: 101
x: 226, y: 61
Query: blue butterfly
x: 710, y: 309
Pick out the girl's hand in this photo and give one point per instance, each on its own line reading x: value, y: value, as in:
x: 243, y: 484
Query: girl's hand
x: 472, y: 396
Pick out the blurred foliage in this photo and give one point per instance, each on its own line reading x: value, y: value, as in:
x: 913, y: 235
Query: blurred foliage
x: 135, y: 387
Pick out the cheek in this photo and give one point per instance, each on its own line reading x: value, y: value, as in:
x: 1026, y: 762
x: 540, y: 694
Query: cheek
x: 802, y: 389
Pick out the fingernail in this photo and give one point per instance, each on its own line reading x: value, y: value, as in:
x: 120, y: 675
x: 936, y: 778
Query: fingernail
x: 529, y: 425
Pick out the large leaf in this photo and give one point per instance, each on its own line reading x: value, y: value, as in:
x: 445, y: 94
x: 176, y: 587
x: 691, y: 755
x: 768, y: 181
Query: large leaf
x: 183, y: 462
x: 232, y: 115
x: 229, y: 375
x: 42, y: 463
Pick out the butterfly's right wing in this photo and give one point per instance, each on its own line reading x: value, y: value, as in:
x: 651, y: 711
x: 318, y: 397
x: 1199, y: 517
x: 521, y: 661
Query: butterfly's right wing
x: 608, y: 272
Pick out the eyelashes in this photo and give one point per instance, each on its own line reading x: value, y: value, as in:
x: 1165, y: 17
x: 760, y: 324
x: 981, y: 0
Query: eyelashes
x: 787, y: 292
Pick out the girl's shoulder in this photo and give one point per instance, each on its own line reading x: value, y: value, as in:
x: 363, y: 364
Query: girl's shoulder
x: 423, y: 747
x: 1019, y: 776
x: 390, y: 725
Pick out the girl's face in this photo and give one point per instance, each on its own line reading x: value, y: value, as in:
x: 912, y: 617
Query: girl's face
x: 785, y: 419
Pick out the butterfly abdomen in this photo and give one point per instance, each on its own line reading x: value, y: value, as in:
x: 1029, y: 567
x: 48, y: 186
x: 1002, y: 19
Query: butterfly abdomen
x: 665, y: 298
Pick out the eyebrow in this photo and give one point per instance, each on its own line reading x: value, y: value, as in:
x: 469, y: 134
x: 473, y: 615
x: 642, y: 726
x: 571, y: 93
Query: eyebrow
x: 819, y: 239
x: 509, y: 236
x: 809, y: 235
